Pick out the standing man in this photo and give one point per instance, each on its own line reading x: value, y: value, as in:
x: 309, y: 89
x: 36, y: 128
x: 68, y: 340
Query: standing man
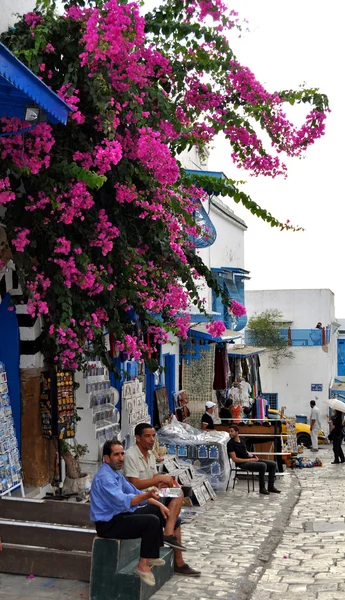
x: 315, y: 425
x: 207, y: 417
x: 182, y: 411
x: 140, y: 469
x: 119, y: 510
x: 249, y: 462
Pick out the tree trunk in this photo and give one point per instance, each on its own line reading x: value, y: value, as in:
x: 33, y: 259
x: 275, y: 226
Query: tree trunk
x: 72, y: 465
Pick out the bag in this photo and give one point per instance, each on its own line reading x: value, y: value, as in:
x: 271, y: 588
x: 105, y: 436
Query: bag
x: 331, y: 435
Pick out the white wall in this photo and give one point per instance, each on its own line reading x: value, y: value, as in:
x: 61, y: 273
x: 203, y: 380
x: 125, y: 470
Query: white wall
x: 293, y: 378
x: 9, y: 8
x: 304, y: 308
x: 311, y: 364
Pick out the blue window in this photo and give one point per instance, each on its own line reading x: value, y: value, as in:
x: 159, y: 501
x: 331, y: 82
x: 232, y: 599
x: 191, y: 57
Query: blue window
x: 341, y: 357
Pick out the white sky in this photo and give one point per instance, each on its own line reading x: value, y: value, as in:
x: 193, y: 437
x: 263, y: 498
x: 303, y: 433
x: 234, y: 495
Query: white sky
x: 291, y: 43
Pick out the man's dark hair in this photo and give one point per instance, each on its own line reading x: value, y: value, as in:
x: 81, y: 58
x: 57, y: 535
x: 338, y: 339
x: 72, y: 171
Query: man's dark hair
x: 234, y: 427
x: 312, y: 402
x: 108, y: 446
x: 140, y: 428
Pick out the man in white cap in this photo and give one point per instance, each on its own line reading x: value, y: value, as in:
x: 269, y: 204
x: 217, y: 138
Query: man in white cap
x: 207, y: 418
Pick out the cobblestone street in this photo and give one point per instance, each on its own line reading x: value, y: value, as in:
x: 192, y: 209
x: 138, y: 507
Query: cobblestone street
x: 249, y: 547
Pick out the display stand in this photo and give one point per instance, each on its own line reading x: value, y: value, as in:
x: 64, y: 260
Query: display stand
x: 58, y: 412
x: 10, y: 467
x: 134, y: 410
x: 200, y: 488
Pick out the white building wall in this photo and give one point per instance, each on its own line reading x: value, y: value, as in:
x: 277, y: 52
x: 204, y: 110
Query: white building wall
x: 8, y: 11
x: 303, y: 308
x: 293, y: 378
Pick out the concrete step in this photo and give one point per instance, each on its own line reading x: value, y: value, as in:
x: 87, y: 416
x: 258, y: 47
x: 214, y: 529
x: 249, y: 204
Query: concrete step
x: 126, y: 584
x: 46, y: 535
x: 43, y: 562
x: 46, y: 511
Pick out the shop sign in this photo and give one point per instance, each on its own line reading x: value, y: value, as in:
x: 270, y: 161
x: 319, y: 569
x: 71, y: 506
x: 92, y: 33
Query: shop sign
x: 316, y: 387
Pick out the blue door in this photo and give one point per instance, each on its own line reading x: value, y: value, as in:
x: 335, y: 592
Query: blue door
x: 170, y: 366
x: 9, y: 355
x: 341, y: 357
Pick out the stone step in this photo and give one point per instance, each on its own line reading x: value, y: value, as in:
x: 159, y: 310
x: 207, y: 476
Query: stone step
x: 46, y: 535
x: 126, y: 584
x: 46, y: 511
x: 44, y: 562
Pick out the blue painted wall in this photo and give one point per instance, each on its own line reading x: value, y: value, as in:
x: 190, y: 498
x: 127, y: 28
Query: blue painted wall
x: 9, y: 354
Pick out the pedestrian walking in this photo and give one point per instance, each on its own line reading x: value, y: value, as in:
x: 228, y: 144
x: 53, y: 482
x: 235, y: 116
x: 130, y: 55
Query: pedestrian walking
x: 336, y: 437
x: 315, y: 425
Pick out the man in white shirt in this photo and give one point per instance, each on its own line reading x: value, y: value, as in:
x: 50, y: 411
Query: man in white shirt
x: 315, y: 425
x: 140, y: 467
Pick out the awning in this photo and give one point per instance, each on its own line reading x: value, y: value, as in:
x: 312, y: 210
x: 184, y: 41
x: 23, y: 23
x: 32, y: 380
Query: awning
x: 337, y: 387
x: 245, y: 351
x: 199, y: 331
x: 20, y: 88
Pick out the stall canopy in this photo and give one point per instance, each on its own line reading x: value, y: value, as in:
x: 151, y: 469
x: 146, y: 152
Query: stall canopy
x: 337, y: 387
x: 199, y: 331
x: 245, y: 351
x: 20, y: 90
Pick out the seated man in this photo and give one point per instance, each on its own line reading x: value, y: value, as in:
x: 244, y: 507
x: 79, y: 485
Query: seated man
x: 245, y: 460
x: 121, y: 511
x: 140, y: 469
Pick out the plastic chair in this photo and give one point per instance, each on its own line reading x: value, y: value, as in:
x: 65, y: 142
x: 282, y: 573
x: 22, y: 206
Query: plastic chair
x: 249, y: 475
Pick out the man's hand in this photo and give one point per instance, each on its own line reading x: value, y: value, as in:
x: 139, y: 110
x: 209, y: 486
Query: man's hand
x: 164, y: 510
x: 153, y: 494
x: 254, y: 459
x: 163, y: 480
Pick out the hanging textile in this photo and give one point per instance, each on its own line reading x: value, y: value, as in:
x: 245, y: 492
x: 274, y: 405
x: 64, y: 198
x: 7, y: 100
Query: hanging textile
x: 221, y: 368
x: 197, y: 381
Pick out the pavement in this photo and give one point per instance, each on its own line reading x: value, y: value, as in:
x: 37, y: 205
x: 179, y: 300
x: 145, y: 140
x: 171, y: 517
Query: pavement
x: 248, y: 546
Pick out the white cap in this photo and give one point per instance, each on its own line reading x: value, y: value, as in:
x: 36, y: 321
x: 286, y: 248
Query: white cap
x: 209, y: 404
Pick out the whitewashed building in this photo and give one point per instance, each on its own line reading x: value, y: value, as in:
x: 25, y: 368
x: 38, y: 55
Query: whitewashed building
x: 309, y: 375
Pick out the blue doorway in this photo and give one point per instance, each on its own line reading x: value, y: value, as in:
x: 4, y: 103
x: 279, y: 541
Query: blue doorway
x: 9, y: 355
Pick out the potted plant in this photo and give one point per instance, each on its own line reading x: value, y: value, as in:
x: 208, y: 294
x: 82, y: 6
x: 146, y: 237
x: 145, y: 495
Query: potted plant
x: 75, y: 481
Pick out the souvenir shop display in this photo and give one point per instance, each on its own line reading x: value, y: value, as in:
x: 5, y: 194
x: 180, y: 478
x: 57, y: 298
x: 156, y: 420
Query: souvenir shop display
x: 291, y: 436
x: 183, y: 471
x: 10, y: 467
x: 96, y: 406
x: 134, y: 410
x: 205, y: 450
x: 57, y: 404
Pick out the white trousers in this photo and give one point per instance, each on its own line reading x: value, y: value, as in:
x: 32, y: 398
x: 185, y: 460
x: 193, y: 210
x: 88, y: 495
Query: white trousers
x: 313, y: 434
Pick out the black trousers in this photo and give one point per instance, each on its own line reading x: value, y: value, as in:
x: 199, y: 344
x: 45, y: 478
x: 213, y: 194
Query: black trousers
x: 146, y: 522
x: 337, y: 449
x: 261, y: 466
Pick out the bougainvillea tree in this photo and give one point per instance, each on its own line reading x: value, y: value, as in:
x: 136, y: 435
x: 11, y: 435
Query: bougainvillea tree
x: 99, y: 214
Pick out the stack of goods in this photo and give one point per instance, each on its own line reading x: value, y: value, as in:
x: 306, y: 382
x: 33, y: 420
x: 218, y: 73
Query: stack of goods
x: 10, y: 468
x: 201, y: 490
x: 305, y: 463
x: 205, y: 450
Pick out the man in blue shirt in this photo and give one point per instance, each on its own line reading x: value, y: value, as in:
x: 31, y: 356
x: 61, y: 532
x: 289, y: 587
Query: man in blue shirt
x: 121, y: 511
